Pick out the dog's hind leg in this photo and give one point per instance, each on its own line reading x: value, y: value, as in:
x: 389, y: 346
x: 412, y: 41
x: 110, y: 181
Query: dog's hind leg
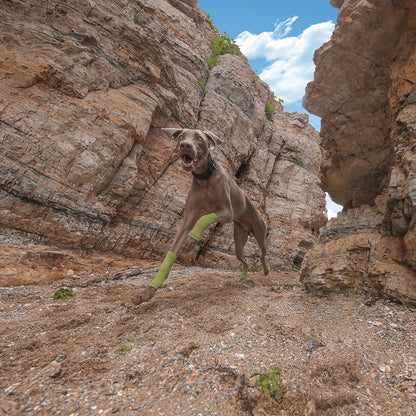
x: 260, y: 234
x: 240, y: 239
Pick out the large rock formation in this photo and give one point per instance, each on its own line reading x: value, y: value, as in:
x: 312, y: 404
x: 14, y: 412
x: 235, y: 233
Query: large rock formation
x: 364, y: 90
x: 85, y: 88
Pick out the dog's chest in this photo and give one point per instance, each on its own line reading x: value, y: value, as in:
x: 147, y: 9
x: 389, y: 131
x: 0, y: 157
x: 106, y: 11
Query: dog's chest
x: 210, y: 194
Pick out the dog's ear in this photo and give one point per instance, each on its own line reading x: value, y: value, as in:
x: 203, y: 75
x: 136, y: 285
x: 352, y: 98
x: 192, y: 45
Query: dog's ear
x: 213, y: 138
x: 172, y: 132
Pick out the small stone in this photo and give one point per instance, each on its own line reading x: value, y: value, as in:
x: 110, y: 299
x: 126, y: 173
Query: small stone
x: 385, y: 368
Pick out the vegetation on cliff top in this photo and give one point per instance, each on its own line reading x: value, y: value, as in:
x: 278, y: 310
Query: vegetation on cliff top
x: 221, y: 45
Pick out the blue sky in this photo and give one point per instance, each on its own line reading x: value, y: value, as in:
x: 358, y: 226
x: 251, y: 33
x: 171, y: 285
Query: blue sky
x: 279, y: 38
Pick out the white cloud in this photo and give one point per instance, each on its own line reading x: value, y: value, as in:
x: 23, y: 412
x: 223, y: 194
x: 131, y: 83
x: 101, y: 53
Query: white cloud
x: 291, y: 66
x: 332, y: 208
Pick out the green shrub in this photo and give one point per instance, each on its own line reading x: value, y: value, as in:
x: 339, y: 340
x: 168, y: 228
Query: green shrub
x: 271, y: 383
x: 221, y: 45
x: 98, y: 280
x: 63, y: 293
x: 212, y: 61
x: 269, y: 110
x: 203, y: 84
x: 211, y: 23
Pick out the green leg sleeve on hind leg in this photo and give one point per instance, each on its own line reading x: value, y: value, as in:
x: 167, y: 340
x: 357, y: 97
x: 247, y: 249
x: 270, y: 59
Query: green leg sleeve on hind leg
x: 201, y: 224
x: 265, y: 266
x: 245, y: 270
x: 164, y: 270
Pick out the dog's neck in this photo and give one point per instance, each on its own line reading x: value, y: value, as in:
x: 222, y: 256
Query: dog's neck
x: 212, y: 167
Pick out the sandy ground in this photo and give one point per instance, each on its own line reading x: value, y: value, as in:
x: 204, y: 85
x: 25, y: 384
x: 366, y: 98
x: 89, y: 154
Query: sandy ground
x: 198, y: 346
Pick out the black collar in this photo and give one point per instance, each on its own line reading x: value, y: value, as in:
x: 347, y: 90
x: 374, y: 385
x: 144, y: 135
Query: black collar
x: 207, y: 174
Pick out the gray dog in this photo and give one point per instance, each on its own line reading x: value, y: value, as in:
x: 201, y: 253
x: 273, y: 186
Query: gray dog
x: 214, y: 196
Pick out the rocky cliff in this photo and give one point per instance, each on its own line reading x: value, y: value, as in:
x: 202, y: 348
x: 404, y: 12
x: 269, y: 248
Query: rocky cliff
x: 364, y: 90
x: 85, y: 169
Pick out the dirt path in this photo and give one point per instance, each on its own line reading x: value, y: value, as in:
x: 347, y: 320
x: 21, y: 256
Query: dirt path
x: 196, y: 348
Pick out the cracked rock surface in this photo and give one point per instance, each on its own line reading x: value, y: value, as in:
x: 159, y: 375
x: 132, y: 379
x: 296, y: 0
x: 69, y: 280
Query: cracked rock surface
x: 85, y: 87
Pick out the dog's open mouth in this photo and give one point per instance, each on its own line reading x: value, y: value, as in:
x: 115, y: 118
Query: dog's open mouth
x: 189, y: 163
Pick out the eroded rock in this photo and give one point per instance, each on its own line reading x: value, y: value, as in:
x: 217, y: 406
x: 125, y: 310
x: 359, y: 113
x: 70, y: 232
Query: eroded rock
x: 364, y: 90
x: 86, y: 87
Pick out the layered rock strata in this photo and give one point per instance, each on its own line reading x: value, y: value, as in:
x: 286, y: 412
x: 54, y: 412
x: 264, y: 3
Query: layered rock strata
x: 364, y: 90
x: 86, y: 87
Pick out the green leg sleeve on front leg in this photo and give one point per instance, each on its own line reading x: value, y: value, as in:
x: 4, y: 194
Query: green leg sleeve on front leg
x: 201, y: 224
x: 164, y: 270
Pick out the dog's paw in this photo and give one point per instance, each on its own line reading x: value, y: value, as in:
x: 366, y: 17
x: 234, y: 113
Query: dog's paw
x: 146, y: 295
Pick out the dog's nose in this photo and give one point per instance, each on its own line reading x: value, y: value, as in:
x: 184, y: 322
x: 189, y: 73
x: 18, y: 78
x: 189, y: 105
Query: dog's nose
x: 185, y: 146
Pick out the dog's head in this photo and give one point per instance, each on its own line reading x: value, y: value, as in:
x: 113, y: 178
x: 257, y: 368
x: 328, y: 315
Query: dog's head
x: 194, y: 147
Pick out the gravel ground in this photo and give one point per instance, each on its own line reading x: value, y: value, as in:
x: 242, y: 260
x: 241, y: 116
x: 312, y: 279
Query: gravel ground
x: 198, y: 347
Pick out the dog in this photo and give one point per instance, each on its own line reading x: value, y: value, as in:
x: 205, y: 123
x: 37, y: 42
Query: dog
x: 214, y: 196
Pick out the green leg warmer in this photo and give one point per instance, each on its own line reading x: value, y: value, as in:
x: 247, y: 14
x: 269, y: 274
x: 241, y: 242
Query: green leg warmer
x: 245, y: 270
x: 265, y: 266
x: 201, y: 224
x: 164, y: 270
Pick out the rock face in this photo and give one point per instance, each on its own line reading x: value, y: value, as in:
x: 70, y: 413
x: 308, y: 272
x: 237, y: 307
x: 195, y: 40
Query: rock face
x: 86, y: 87
x: 364, y: 90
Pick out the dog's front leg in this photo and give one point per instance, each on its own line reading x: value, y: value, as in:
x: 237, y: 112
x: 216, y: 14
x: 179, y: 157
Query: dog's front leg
x: 167, y: 263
